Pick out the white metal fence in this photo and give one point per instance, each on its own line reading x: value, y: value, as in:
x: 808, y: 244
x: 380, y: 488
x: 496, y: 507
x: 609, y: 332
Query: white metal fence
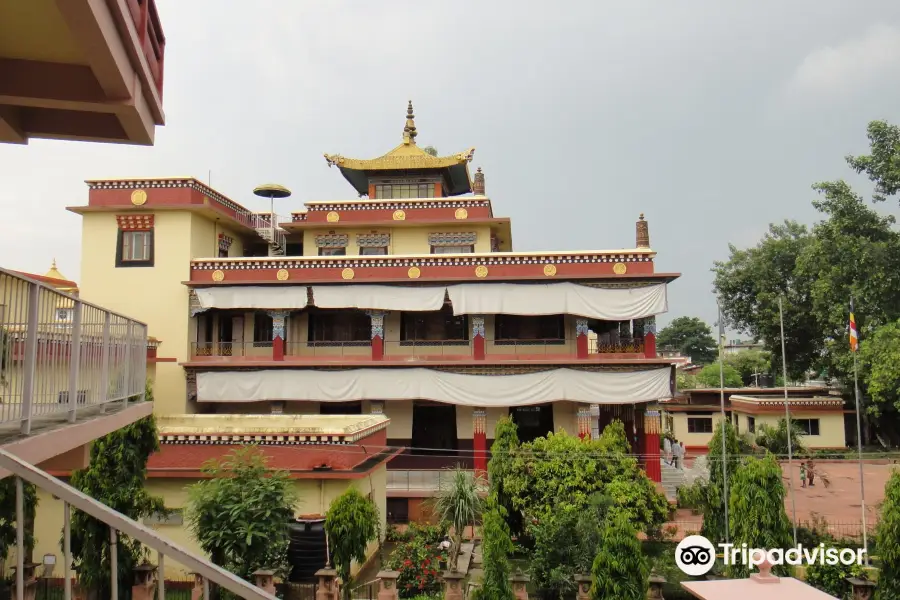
x: 59, y: 354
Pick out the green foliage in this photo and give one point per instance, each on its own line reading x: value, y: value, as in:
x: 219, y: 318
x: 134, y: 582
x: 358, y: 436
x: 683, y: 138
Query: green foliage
x: 691, y: 337
x: 418, y: 563
x: 775, y: 439
x: 710, y: 377
x: 685, y: 381
x: 749, y: 363
x: 565, y: 544
x: 710, y: 499
x: 496, y: 548
x: 115, y: 476
x: 351, y: 523
x: 239, y: 514
x: 832, y: 579
x: 506, y: 443
x: 561, y: 469
x: 431, y: 150
x: 883, y: 164
x: 691, y: 496
x: 6, y: 342
x: 756, y: 508
x: 880, y: 359
x: 8, y: 514
x: 888, y: 540
x: 458, y: 504
x: 620, y: 569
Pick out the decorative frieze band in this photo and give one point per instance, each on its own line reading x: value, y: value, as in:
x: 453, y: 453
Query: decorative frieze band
x: 135, y: 222
x: 394, y: 205
x: 373, y: 240
x: 479, y: 420
x: 377, y: 323
x: 467, y: 238
x: 650, y: 325
x: 278, y: 322
x: 581, y: 327
x: 477, y: 326
x: 332, y: 240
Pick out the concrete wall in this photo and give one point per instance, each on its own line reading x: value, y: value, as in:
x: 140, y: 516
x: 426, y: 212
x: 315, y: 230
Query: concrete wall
x: 404, y: 240
x: 831, y: 427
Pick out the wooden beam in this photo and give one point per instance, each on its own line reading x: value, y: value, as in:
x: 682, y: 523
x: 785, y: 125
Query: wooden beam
x: 74, y: 125
x: 10, y: 126
x: 53, y: 85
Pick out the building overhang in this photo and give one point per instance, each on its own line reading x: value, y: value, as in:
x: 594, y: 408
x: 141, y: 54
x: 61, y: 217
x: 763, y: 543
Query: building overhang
x: 81, y: 70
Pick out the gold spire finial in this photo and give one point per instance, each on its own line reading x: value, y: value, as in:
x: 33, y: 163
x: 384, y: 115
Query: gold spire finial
x: 53, y: 265
x: 409, y: 132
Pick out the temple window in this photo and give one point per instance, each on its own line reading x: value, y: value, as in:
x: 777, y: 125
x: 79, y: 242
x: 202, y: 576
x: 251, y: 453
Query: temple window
x: 262, y: 329
x: 437, y: 326
x: 332, y: 251
x: 433, y: 428
x: 512, y: 328
x: 374, y: 251
x: 452, y: 249
x: 339, y: 326
x: 333, y: 244
x: 373, y: 244
x: 452, y: 243
x: 807, y: 426
x: 404, y: 190
x: 751, y: 424
x: 134, y: 245
x: 700, y: 424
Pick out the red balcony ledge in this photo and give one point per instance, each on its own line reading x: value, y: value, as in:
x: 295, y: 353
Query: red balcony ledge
x: 81, y: 70
x: 625, y: 265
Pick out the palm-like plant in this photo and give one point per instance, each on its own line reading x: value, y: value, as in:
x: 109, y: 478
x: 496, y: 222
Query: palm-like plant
x: 775, y: 439
x: 459, y: 504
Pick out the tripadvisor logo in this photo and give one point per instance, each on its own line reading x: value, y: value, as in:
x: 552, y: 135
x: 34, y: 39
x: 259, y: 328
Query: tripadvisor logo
x: 696, y: 555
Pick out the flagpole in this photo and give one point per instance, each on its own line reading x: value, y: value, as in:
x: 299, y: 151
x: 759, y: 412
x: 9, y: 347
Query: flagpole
x: 724, y: 421
x: 862, y: 484
x: 787, y: 417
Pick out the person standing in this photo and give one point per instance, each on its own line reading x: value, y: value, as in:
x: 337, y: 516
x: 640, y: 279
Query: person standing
x: 811, y: 473
x: 681, y: 455
x: 667, y: 450
x: 676, y: 454
x: 803, y: 474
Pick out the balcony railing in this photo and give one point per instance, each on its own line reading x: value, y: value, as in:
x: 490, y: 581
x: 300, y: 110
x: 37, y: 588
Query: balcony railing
x: 422, y: 480
x: 59, y: 354
x: 153, y: 42
x: 424, y: 349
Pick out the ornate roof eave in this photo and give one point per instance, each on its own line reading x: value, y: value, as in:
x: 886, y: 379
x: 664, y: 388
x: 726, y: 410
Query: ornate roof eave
x: 397, y: 160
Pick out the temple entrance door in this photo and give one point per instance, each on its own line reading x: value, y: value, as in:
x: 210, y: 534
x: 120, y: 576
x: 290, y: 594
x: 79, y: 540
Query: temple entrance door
x: 434, y: 429
x: 532, y: 421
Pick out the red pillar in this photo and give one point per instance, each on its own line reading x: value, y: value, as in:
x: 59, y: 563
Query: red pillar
x: 584, y: 422
x: 581, y: 338
x: 479, y: 441
x: 478, y: 337
x: 652, y: 427
x: 377, y: 334
x: 278, y: 325
x: 650, y: 337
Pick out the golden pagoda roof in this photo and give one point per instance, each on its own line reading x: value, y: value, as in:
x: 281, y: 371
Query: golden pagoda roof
x: 407, y: 157
x: 64, y: 285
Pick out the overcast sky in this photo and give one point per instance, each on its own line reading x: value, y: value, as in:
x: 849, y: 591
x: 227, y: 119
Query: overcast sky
x: 713, y: 118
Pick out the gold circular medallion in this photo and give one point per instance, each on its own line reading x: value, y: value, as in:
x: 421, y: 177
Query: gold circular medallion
x: 333, y: 217
x: 414, y: 272
x: 549, y: 270
x: 481, y: 271
x: 619, y: 268
x: 218, y: 275
x: 282, y: 275
x: 462, y: 213
x: 347, y: 274
x: 399, y: 215
x: 138, y: 197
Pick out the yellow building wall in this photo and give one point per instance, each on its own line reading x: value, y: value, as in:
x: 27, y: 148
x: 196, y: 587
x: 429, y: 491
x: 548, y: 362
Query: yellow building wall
x: 404, y: 240
x: 831, y: 427
x: 680, y: 429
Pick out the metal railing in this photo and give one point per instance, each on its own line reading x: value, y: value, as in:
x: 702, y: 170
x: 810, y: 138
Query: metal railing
x: 59, y: 353
x: 422, y: 479
x: 422, y: 349
x: 117, y: 523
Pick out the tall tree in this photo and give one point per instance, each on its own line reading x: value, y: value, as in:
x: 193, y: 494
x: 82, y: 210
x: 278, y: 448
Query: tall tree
x: 883, y: 164
x: 888, y: 540
x: 352, y: 524
x: 115, y: 476
x: 690, y: 336
x: 496, y: 548
x: 712, y: 499
x: 749, y: 363
x: 506, y: 442
x: 879, y: 357
x: 620, y: 569
x: 710, y: 376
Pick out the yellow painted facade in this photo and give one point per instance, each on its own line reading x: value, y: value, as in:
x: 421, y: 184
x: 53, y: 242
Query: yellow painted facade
x: 404, y: 240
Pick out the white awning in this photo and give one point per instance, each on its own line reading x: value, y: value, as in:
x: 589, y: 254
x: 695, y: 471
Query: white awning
x: 426, y: 384
x: 379, y: 297
x: 254, y: 296
x: 617, y: 304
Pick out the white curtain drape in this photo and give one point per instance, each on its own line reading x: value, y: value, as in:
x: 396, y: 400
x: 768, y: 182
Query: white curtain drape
x: 253, y: 296
x: 379, y: 297
x: 426, y: 384
x: 564, y: 298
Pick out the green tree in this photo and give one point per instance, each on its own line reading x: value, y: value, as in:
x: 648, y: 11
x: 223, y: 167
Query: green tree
x: 880, y: 361
x: 459, y: 504
x: 685, y: 381
x: 756, y: 508
x: 496, y: 548
x: 709, y: 376
x: 775, y: 439
x: 620, y: 570
x: 430, y: 150
x: 691, y: 337
x: 883, y: 164
x: 116, y: 476
x: 8, y: 514
x: 506, y: 443
x: 710, y: 496
x: 749, y: 284
x: 351, y: 523
x: 749, y: 363
x: 239, y: 514
x: 888, y: 541
x: 832, y: 579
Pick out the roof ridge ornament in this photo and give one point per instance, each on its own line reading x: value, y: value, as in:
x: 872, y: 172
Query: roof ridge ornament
x: 409, y: 131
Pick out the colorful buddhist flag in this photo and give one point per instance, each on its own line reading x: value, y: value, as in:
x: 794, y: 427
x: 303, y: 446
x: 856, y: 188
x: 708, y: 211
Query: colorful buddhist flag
x: 854, y: 336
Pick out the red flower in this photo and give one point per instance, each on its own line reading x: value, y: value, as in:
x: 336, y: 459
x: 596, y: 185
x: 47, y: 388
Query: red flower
x: 426, y: 562
x: 407, y: 562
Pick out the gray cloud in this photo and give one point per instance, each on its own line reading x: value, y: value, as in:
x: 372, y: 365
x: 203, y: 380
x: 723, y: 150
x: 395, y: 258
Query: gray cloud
x: 712, y: 118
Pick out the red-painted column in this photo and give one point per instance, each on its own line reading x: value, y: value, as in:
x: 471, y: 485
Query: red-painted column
x: 377, y: 334
x: 584, y: 422
x: 278, y: 325
x: 479, y: 441
x: 581, y: 338
x: 650, y: 337
x: 652, y: 429
x: 478, y: 337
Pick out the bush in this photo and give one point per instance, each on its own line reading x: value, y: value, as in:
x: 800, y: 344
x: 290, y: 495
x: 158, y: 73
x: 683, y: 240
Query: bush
x: 418, y: 564
x: 691, y: 496
x: 832, y: 579
x: 496, y: 548
x: 620, y: 569
x: 888, y: 540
